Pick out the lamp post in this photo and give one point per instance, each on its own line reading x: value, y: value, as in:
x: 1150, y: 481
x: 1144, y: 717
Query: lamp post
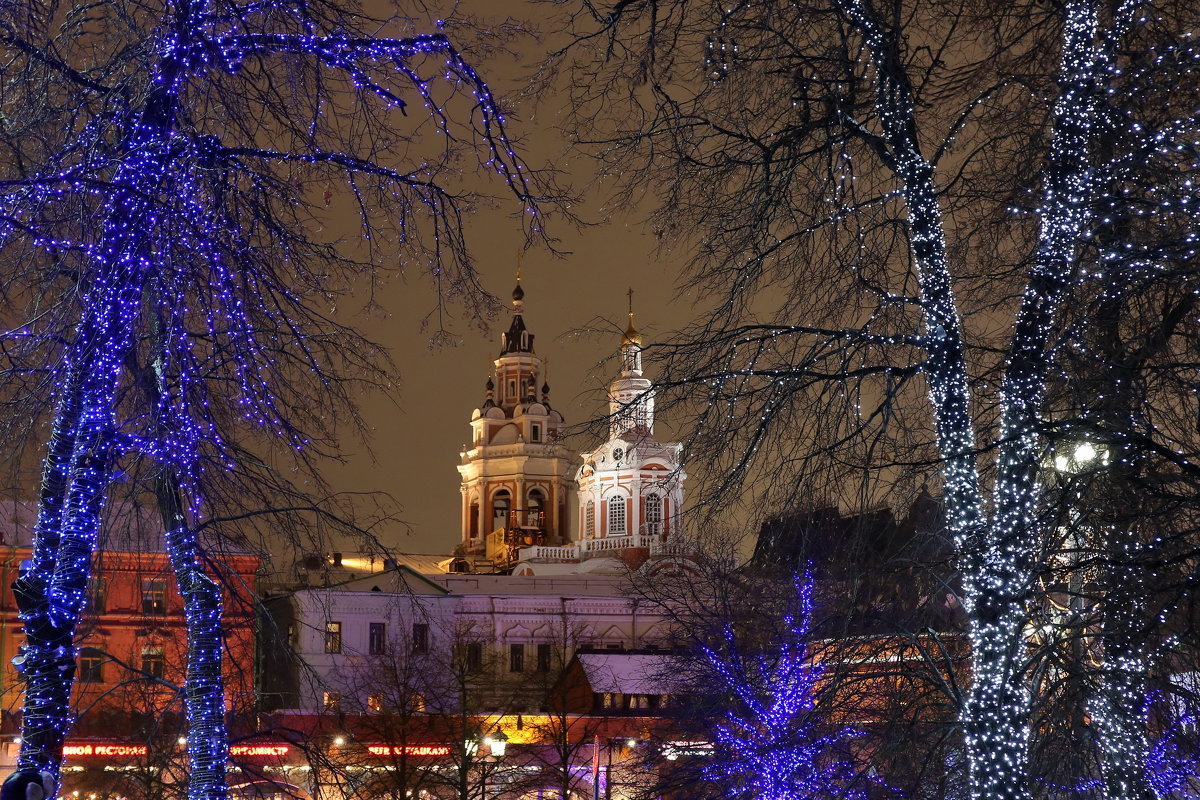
x: 497, y: 747
x: 1075, y: 461
x: 627, y: 741
x: 1073, y: 457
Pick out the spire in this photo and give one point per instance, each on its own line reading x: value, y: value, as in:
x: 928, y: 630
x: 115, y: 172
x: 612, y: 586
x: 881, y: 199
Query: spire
x: 517, y: 339
x: 631, y: 345
x: 518, y: 293
x: 631, y: 336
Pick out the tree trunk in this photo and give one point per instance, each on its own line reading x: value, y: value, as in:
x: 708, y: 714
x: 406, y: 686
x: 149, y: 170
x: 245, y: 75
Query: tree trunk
x: 52, y: 589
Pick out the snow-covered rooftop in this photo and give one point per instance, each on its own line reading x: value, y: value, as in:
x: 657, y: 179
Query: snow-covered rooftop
x: 632, y: 673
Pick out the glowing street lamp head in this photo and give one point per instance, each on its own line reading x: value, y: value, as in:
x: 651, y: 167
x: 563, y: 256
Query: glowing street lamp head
x: 497, y: 744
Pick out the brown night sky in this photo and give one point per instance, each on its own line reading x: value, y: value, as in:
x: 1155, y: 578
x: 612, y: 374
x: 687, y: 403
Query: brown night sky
x: 418, y: 432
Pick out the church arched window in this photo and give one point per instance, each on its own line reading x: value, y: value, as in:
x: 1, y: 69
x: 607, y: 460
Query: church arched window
x: 473, y: 519
x: 616, y: 516
x: 589, y: 520
x: 654, y: 514
x: 501, y: 503
x: 536, y: 515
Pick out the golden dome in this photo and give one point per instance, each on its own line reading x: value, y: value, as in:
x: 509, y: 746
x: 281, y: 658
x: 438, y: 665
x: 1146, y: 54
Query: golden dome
x: 631, y: 336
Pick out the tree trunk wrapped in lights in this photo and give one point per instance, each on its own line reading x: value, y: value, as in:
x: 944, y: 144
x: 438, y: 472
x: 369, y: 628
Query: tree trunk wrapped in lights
x: 162, y: 204
x: 900, y: 263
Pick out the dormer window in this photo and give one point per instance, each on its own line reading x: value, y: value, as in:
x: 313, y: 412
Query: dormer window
x: 536, y: 434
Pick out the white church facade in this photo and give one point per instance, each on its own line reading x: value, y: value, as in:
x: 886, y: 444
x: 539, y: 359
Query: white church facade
x: 517, y: 478
x: 549, y: 542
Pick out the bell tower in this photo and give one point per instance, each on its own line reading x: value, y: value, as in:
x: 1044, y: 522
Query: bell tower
x: 630, y: 487
x: 516, y: 476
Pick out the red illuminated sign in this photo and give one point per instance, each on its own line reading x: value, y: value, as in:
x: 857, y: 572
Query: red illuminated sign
x: 104, y: 750
x: 259, y: 750
x: 409, y: 750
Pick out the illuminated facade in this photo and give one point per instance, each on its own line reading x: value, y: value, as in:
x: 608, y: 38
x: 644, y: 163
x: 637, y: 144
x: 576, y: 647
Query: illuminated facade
x: 131, y: 655
x: 516, y: 476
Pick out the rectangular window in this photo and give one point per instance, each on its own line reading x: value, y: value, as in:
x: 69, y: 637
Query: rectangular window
x: 332, y: 701
x: 516, y: 658
x: 616, y: 516
x: 377, y: 638
x: 97, y: 596
x: 154, y: 597
x: 537, y: 433
x: 374, y: 702
x: 543, y: 658
x: 420, y: 637
x: 154, y: 662
x: 654, y: 515
x: 333, y: 637
x: 91, y: 665
x: 474, y: 656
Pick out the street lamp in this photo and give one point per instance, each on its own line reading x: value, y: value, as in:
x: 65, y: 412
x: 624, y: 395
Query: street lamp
x: 1072, y: 457
x: 497, y: 745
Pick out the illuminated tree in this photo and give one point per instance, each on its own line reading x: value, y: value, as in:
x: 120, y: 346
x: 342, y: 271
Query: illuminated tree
x: 158, y: 225
x: 903, y: 217
x: 770, y: 741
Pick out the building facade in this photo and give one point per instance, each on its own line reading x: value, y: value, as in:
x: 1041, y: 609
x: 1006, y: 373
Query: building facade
x: 132, y: 655
x: 516, y: 475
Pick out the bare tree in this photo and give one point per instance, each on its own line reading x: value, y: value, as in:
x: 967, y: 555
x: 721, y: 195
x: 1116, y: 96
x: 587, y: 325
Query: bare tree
x: 158, y: 219
x: 894, y: 210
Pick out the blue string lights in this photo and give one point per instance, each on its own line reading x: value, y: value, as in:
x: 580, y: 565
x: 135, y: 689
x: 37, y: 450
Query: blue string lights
x: 194, y: 258
x: 769, y: 744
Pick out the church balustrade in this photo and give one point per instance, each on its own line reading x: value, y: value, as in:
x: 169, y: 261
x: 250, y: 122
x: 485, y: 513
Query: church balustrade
x: 546, y: 553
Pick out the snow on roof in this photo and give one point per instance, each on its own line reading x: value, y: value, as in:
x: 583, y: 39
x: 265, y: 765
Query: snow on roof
x: 572, y: 585
x: 425, y: 563
x: 632, y: 673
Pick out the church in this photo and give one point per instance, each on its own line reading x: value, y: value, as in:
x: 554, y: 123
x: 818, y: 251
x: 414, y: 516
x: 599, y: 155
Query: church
x: 518, y: 477
x: 529, y: 630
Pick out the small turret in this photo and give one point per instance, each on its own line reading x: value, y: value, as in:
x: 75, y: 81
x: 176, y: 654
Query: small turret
x: 489, y: 394
x: 517, y: 339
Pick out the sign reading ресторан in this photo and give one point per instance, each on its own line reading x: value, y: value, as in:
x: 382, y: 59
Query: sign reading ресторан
x: 104, y: 749
x: 111, y: 749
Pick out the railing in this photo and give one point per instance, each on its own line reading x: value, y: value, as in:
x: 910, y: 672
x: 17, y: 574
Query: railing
x: 588, y: 548
x: 673, y: 547
x: 546, y: 553
x: 613, y: 543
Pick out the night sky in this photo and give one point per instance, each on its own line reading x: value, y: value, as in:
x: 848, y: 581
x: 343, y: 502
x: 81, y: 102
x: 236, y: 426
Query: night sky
x: 418, y: 432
